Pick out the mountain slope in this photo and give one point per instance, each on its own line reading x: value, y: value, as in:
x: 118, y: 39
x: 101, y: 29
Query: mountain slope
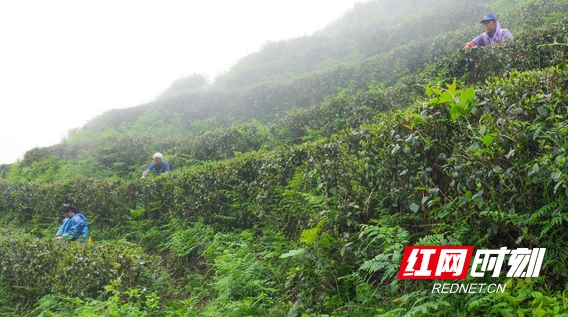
x: 320, y: 226
x: 187, y: 126
x: 388, y: 42
x: 312, y: 219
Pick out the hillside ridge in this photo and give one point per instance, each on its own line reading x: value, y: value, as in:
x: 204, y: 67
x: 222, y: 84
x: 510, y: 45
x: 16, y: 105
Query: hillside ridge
x: 118, y: 143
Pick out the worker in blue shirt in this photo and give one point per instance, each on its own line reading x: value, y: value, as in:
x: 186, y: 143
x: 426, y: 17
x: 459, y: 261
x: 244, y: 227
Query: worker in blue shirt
x: 159, y: 166
x: 74, y: 227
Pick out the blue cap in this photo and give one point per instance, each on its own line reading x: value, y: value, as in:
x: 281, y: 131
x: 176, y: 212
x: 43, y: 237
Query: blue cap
x: 65, y: 207
x: 489, y: 17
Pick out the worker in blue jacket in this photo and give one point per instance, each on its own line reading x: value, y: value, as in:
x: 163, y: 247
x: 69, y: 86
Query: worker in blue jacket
x: 493, y: 35
x: 74, y: 227
x: 159, y: 166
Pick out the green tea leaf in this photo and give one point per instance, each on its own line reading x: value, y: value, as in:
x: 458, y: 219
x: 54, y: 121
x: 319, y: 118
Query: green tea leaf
x: 309, y: 236
x: 292, y: 253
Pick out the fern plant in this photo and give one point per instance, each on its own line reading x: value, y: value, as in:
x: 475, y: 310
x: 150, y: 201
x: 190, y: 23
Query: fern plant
x: 389, y: 243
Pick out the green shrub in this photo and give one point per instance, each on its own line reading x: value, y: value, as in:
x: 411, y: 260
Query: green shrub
x: 32, y: 267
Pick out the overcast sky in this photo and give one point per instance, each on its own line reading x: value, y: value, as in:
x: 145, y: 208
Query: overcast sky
x: 64, y: 62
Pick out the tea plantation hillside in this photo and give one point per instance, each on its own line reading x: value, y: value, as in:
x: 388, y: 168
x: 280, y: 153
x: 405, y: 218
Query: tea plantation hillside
x: 384, y: 43
x: 308, y: 213
x: 317, y: 228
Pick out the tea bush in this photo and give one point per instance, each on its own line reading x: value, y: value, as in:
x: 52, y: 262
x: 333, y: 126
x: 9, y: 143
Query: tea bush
x: 31, y: 268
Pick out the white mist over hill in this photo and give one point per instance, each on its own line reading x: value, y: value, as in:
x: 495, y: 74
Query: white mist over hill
x: 64, y: 62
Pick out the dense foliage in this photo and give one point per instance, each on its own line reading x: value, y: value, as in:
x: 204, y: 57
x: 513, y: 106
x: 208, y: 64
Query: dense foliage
x: 307, y: 214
